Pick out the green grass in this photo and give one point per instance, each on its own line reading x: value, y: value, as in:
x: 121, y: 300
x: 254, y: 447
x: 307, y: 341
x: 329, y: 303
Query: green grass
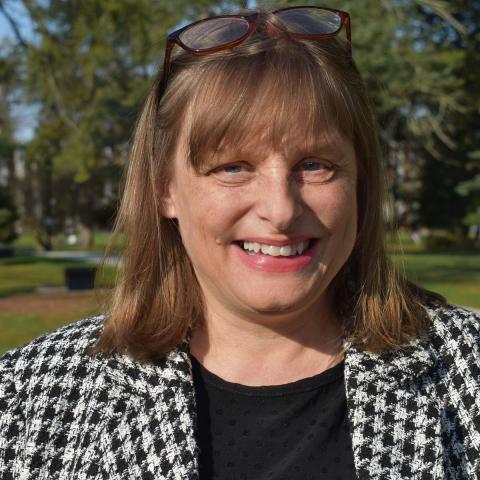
x: 454, y: 275
x: 22, y: 274
x: 18, y: 329
x: 27, y: 314
x: 27, y: 242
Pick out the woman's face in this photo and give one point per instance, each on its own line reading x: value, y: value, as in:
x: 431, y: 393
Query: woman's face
x: 267, y: 229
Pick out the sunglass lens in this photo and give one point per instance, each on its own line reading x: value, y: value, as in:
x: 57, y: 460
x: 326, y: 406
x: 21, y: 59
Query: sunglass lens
x: 310, y: 21
x: 214, y: 32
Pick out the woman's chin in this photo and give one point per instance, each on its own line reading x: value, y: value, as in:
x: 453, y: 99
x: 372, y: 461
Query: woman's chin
x: 278, y: 306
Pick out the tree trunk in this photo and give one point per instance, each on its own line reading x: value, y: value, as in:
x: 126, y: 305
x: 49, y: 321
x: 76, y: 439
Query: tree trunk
x: 86, y: 237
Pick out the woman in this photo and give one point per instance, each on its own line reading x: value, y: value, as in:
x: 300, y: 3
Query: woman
x: 258, y: 329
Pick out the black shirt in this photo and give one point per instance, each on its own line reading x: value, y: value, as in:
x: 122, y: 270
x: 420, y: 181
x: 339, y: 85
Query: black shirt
x: 294, y: 431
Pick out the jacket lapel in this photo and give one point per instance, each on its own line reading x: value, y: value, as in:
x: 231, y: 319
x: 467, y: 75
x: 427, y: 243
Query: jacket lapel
x: 155, y: 420
x: 393, y: 412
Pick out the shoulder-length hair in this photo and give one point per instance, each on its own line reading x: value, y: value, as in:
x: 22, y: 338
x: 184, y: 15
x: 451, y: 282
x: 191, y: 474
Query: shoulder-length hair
x: 224, y: 99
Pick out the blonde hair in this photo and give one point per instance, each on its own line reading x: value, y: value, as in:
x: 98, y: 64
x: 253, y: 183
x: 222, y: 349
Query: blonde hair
x: 259, y: 86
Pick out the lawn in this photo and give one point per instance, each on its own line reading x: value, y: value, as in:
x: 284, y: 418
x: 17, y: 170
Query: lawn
x: 22, y: 273
x: 25, y: 314
x: 454, y: 275
x: 24, y: 317
x: 27, y: 242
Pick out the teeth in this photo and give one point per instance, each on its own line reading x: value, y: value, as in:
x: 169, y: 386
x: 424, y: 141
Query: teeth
x: 274, y: 251
x: 284, y: 251
x: 302, y: 246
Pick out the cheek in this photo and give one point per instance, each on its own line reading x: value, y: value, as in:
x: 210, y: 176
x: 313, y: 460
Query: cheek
x: 206, y: 217
x: 336, y: 208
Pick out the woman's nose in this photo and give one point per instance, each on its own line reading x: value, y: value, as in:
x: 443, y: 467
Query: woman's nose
x: 279, y: 201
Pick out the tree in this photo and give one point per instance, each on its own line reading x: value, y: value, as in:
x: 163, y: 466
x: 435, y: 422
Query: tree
x: 89, y: 69
x: 420, y: 59
x: 8, y: 217
x: 91, y: 62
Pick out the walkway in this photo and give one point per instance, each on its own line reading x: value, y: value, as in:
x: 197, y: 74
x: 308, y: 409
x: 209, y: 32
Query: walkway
x: 80, y: 256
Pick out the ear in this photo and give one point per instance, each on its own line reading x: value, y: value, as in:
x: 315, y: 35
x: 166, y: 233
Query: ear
x: 168, y: 199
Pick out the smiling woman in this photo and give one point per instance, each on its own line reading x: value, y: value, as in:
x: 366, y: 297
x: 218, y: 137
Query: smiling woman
x: 268, y: 199
x: 258, y: 329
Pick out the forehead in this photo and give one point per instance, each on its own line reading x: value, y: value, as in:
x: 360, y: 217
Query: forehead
x: 291, y: 144
x: 246, y: 105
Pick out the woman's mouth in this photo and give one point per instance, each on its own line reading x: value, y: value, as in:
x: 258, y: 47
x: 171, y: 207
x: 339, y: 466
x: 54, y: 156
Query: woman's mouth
x: 295, y: 249
x: 290, y: 257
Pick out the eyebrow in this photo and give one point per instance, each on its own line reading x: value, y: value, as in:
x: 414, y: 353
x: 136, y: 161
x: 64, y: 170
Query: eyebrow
x: 326, y: 143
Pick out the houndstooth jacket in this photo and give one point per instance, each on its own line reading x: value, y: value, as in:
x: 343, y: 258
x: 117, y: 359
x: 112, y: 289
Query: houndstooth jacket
x: 68, y: 415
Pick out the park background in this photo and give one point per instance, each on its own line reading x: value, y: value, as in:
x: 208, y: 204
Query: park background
x: 73, y: 74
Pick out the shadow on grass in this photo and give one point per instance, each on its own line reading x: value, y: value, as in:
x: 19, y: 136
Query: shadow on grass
x: 450, y: 253
x: 443, y: 274
x: 452, y: 268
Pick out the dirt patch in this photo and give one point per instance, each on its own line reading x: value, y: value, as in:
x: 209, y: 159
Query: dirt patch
x: 45, y: 302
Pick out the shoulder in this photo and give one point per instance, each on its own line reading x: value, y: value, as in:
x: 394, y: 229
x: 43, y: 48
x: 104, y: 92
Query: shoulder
x: 450, y: 348
x: 455, y: 335
x: 454, y: 327
x: 44, y: 380
x: 53, y: 354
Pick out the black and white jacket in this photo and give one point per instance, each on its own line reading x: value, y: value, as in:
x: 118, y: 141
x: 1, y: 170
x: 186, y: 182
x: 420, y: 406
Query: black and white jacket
x: 67, y: 415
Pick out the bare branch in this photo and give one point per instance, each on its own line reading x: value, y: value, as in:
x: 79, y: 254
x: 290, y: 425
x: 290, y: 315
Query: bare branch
x: 13, y: 24
x: 442, y: 9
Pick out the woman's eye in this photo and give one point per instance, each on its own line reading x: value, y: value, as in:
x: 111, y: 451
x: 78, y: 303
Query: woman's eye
x: 232, y: 168
x: 312, y: 166
x: 313, y: 170
x: 233, y: 173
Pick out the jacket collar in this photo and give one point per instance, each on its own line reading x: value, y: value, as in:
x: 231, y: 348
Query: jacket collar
x: 402, y: 365
x: 174, y: 370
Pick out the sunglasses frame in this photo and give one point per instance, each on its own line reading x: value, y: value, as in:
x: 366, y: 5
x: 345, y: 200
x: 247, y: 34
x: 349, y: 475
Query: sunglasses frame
x: 252, y: 18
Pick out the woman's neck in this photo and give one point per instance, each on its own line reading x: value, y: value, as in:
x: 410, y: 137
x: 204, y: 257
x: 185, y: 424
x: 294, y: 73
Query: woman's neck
x: 279, y: 351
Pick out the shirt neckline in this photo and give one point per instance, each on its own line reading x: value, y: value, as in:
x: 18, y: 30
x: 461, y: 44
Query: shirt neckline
x: 316, y: 382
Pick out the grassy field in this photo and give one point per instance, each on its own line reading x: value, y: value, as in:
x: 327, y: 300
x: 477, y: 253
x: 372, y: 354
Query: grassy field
x: 27, y: 242
x: 22, y: 273
x: 24, y: 317
x: 25, y: 314
x: 454, y: 275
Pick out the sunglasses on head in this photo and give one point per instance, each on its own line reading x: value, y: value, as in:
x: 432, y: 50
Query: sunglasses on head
x: 227, y: 31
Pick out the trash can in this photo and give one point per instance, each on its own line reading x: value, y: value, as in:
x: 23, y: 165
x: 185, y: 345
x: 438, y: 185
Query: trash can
x: 6, y: 251
x: 80, y: 278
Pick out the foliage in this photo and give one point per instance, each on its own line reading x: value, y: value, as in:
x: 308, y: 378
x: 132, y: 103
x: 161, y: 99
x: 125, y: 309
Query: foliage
x: 8, y: 217
x: 421, y: 61
x: 438, y: 241
x: 88, y: 65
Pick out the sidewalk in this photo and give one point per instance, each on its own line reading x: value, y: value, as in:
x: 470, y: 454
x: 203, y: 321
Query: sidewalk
x: 76, y: 255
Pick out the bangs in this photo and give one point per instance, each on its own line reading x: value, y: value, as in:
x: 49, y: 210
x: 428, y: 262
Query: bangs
x: 266, y: 98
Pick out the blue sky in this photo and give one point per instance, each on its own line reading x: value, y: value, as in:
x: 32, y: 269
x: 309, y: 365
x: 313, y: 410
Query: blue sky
x: 25, y: 117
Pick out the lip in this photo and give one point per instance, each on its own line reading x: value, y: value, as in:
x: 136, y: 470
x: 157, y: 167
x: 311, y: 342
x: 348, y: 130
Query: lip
x: 269, y: 263
x: 278, y: 242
